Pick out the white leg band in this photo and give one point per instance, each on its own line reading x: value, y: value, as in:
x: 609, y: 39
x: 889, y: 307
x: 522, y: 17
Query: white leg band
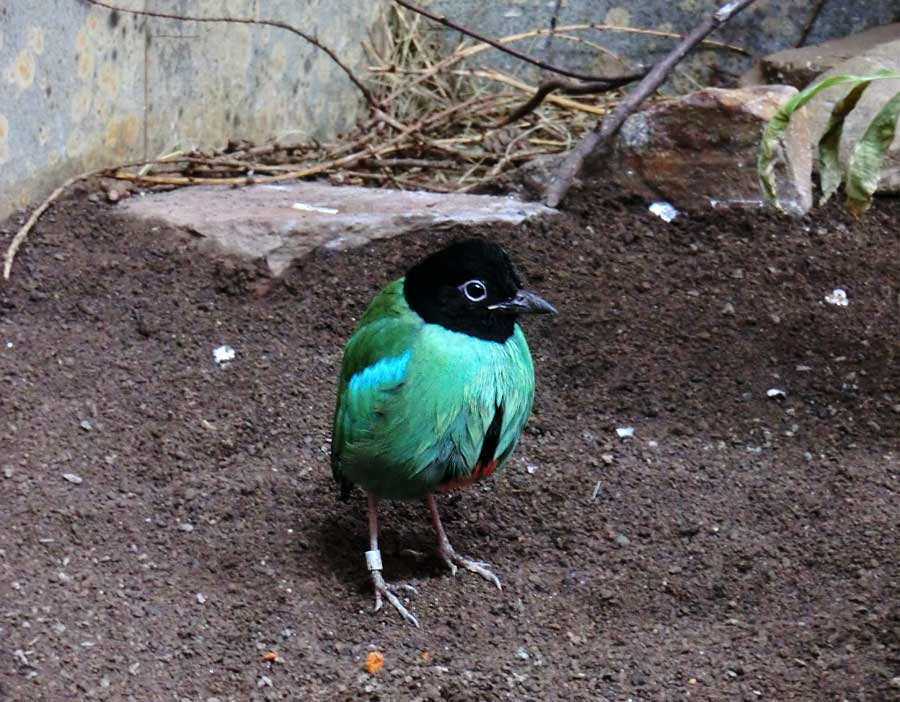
x: 373, y: 559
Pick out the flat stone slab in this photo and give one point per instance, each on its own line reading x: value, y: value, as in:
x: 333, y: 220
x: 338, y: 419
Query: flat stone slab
x: 283, y: 222
x: 800, y: 67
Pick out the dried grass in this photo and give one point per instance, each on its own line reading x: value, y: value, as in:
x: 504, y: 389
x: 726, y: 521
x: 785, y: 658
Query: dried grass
x: 434, y: 132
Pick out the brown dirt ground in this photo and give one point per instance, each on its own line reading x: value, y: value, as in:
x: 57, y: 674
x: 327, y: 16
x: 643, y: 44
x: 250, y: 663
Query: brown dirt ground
x: 738, y: 548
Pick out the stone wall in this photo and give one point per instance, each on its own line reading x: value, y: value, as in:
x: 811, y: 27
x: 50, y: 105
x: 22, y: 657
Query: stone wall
x: 82, y: 87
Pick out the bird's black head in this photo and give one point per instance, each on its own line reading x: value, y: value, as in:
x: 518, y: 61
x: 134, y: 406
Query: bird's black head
x: 471, y: 287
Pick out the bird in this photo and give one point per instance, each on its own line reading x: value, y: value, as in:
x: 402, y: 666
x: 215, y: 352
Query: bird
x: 436, y: 385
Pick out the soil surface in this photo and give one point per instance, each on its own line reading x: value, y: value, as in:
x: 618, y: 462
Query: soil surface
x: 169, y: 529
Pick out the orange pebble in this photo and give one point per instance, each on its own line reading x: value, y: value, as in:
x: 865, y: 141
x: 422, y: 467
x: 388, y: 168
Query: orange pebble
x: 426, y: 656
x: 270, y: 656
x: 374, y: 661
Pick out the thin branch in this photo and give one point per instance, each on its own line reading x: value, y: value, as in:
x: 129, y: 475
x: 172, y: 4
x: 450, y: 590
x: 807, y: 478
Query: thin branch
x: 546, y: 88
x: 35, y: 216
x: 250, y: 20
x: 810, y: 23
x: 20, y: 236
x: 440, y: 19
x: 562, y: 180
x: 551, y: 32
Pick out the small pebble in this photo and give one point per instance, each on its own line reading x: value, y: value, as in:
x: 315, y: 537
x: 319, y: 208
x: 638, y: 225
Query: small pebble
x: 186, y: 527
x: 622, y: 540
x: 86, y: 425
x: 72, y: 478
x: 264, y: 681
x: 201, y: 598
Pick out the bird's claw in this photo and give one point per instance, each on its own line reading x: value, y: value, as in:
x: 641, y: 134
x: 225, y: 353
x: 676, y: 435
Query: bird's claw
x: 382, y: 589
x: 453, y: 559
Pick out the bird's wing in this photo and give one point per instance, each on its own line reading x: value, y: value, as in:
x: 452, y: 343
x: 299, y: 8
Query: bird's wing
x: 374, y: 367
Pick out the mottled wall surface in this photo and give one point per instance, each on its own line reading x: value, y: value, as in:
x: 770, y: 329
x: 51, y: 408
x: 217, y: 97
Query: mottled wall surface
x: 770, y: 25
x: 83, y: 87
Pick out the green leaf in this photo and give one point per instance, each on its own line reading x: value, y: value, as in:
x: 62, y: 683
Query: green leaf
x: 864, y: 168
x: 772, y: 144
x: 830, y: 172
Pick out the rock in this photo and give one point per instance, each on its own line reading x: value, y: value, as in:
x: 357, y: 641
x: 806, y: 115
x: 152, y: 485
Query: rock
x: 280, y: 223
x: 700, y: 150
x: 530, y: 180
x: 800, y: 67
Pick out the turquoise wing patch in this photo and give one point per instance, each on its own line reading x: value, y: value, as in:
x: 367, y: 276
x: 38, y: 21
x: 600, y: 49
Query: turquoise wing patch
x: 386, y: 373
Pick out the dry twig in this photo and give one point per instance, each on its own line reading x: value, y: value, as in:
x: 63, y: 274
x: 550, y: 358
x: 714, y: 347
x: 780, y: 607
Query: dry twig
x: 810, y: 23
x: 544, y: 89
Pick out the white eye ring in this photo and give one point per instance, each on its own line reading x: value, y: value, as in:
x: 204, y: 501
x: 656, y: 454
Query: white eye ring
x: 475, y: 290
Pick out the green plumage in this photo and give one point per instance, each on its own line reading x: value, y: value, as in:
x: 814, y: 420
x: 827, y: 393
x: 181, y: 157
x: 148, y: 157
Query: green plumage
x: 415, y: 400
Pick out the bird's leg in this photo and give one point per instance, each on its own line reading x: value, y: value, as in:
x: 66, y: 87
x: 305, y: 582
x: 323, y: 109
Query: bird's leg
x: 373, y: 562
x: 451, y: 557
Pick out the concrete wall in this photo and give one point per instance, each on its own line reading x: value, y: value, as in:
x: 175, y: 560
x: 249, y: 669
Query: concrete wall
x: 82, y: 87
x: 768, y: 26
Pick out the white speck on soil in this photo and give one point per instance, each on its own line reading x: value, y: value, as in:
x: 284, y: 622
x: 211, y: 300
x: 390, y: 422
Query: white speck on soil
x: 72, y: 478
x: 838, y: 297
x: 223, y: 354
x: 664, y: 210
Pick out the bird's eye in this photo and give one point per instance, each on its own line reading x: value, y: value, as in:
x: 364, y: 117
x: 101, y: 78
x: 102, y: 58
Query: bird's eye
x: 475, y: 290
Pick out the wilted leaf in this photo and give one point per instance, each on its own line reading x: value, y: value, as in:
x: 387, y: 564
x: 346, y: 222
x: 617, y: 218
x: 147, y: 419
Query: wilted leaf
x: 830, y: 171
x: 772, y: 144
x: 864, y: 168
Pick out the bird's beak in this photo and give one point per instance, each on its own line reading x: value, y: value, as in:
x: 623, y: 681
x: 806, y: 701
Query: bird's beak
x: 525, y: 303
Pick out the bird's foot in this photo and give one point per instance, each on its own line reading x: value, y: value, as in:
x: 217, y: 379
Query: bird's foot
x: 453, y: 559
x: 387, y: 591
